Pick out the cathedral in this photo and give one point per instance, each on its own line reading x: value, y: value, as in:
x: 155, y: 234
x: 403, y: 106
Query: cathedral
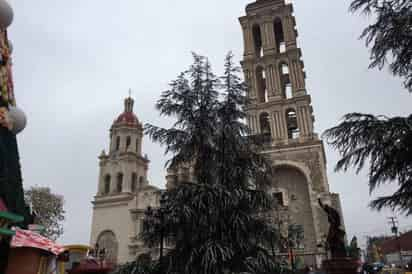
x: 279, y: 110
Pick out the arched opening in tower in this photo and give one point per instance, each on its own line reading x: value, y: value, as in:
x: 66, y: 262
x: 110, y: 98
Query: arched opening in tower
x: 262, y: 92
x: 107, y: 180
x: 297, y: 198
x: 107, y: 240
x: 286, y: 85
x: 117, y: 143
x: 134, y: 182
x: 292, y: 124
x: 265, y: 127
x: 257, y: 39
x: 128, y: 142
x: 279, y: 36
x: 137, y: 146
x: 119, y: 185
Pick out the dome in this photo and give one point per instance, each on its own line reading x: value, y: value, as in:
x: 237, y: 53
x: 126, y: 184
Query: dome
x: 127, y: 118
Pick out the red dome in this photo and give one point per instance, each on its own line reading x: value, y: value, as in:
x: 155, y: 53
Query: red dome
x: 127, y: 118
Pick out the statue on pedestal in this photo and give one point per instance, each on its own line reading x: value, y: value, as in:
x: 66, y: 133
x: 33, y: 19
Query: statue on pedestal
x: 336, y: 235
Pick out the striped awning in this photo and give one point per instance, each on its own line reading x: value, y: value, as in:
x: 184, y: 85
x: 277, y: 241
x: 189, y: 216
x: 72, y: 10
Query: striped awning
x: 27, y: 238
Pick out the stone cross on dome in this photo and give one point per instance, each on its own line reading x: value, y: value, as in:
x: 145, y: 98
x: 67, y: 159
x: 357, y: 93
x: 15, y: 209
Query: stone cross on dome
x: 128, y: 102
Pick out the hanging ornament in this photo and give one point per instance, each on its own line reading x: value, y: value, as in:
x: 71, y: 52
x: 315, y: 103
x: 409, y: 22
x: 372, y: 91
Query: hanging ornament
x: 18, y: 119
x: 6, y: 14
x: 13, y: 119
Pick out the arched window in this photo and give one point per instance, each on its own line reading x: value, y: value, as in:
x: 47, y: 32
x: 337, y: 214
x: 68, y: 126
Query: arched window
x: 119, y: 184
x: 137, y: 145
x: 134, y: 182
x: 292, y: 124
x: 279, y: 35
x: 265, y: 127
x: 257, y: 39
x: 107, y: 179
x: 262, y: 92
x: 285, y: 80
x: 128, y: 141
x: 107, y: 241
x: 278, y: 198
x: 117, y: 142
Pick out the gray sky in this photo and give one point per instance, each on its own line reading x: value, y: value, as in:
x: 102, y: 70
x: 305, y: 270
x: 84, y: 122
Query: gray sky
x: 75, y: 60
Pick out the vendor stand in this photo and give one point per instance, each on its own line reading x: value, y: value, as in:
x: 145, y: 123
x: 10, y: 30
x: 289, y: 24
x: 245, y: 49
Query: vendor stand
x: 31, y: 253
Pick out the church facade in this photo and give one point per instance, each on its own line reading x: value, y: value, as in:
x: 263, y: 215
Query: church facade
x: 280, y: 111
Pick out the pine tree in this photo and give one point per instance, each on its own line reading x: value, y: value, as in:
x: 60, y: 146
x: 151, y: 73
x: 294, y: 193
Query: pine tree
x: 385, y: 143
x: 389, y: 35
x: 216, y: 222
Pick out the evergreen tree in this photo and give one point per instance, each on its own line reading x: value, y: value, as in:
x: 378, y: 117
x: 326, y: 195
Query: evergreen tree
x: 384, y: 142
x: 389, y: 35
x: 387, y: 144
x: 216, y: 222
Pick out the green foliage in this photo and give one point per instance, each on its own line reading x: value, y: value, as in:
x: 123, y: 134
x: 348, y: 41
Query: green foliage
x: 48, y: 208
x: 384, y: 143
x: 390, y: 35
x: 138, y: 267
x: 215, y: 222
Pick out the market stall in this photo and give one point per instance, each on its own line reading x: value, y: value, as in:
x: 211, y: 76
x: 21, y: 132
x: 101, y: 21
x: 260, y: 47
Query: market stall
x: 32, y: 253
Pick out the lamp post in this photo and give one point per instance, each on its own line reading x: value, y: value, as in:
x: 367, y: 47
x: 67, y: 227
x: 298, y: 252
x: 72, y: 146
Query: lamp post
x: 156, y: 219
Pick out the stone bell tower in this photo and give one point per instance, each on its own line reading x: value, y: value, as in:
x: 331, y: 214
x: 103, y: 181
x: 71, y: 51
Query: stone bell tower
x: 123, y: 191
x: 280, y: 112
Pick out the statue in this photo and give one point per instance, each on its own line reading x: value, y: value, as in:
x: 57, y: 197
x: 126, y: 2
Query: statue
x: 336, y: 235
x: 354, y: 250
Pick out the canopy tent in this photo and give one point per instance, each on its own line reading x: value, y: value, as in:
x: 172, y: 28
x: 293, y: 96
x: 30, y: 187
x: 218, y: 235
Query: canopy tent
x: 31, y: 253
x: 26, y: 238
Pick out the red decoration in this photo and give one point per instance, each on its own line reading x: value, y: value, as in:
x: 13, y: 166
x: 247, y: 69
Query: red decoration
x: 26, y: 238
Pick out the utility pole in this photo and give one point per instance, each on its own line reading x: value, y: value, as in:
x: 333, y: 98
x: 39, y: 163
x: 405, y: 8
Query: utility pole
x: 395, y: 230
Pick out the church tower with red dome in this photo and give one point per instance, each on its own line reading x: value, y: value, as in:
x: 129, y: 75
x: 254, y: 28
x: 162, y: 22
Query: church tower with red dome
x: 123, y: 190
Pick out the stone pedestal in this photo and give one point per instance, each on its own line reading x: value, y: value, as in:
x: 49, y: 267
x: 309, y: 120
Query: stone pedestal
x: 341, y: 266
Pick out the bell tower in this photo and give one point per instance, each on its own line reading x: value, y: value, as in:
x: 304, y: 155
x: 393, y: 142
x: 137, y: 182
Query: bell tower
x: 274, y: 70
x: 280, y: 111
x: 123, y: 190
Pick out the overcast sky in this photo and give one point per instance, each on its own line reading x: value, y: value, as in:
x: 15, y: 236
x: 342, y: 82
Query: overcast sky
x: 75, y: 60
